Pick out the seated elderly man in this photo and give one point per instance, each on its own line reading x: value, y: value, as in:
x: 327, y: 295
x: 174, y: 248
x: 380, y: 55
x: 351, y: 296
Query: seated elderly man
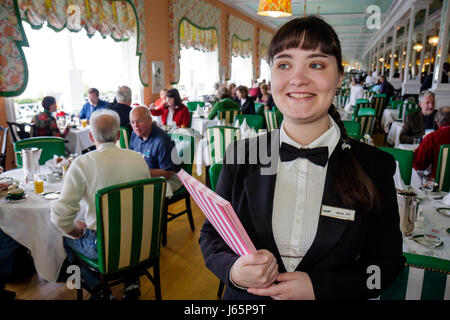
x: 122, y: 105
x: 428, y: 151
x: 417, y: 122
x: 155, y: 146
x: 107, y: 165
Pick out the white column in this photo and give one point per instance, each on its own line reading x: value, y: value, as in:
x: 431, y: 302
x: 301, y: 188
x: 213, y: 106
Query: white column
x: 384, y: 56
x: 377, y: 57
x: 424, y: 41
x: 442, y: 90
x: 392, y: 61
x: 409, y: 45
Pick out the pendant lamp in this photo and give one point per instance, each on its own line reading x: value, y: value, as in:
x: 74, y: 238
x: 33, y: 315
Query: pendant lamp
x: 275, y: 8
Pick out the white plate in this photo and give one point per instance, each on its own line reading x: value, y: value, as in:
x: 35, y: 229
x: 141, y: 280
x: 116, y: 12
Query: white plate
x: 420, y: 240
x: 52, y: 196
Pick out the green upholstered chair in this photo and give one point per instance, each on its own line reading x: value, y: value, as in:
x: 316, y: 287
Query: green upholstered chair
x: 192, y: 105
x: 378, y: 103
x: 411, y: 110
x: 405, y: 162
x: 341, y: 100
x: 259, y: 108
x: 124, y: 141
x: 254, y: 121
x: 50, y: 146
x: 214, y: 173
x: 128, y: 233
x: 359, y: 104
x: 185, y: 145
x: 353, y: 129
x: 229, y: 115
x: 219, y: 138
x: 424, y: 278
x: 366, y: 117
x: 405, y: 108
x: 443, y: 168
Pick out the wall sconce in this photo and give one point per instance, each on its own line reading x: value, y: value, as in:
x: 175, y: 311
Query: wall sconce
x: 275, y: 8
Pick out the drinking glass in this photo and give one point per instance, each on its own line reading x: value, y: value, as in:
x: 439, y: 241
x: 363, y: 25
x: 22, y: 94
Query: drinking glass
x: 38, y: 183
x: 431, y: 236
x: 428, y: 184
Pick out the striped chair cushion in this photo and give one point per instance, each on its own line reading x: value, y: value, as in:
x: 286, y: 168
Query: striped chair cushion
x: 229, y: 116
x: 129, y: 223
x: 360, y: 104
x: 443, y: 169
x: 124, y: 141
x: 218, y: 140
x: 366, y: 117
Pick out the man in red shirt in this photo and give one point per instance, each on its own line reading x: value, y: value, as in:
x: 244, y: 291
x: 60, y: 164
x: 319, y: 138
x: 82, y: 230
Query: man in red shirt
x: 428, y: 151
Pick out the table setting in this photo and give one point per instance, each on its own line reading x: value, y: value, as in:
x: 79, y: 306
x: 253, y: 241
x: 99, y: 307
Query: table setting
x: 26, y: 216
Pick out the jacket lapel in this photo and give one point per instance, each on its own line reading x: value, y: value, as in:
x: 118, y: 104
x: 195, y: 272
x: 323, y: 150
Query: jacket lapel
x: 329, y: 229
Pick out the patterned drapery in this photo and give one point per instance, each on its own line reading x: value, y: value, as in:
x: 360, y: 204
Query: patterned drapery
x: 192, y: 23
x: 264, y: 41
x: 13, y: 67
x: 241, y: 36
x: 119, y: 19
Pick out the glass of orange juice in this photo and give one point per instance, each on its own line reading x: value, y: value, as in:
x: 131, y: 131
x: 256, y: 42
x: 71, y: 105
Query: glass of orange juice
x: 83, y: 123
x: 38, y: 184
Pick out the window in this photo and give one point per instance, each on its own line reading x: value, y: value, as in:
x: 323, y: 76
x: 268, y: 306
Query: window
x: 242, y: 71
x: 199, y: 71
x: 66, y: 64
x: 264, y: 71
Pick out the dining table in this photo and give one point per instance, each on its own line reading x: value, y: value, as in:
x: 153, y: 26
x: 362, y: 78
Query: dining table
x: 393, y: 136
x: 388, y: 117
x: 28, y: 222
x: 78, y: 140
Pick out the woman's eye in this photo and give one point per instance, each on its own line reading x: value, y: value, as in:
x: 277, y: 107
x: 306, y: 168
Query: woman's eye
x: 317, y: 66
x: 283, y: 66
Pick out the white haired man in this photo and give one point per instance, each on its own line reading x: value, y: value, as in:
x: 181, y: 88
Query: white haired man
x: 122, y: 105
x: 87, y: 174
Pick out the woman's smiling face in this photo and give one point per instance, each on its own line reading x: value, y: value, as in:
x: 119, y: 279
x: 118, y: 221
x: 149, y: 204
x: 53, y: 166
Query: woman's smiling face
x: 304, y: 83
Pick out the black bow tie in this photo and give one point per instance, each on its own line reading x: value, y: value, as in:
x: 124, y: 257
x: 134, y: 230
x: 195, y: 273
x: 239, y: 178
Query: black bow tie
x: 318, y: 156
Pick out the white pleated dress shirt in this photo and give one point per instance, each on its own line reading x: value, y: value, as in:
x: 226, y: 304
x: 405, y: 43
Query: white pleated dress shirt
x: 298, y: 198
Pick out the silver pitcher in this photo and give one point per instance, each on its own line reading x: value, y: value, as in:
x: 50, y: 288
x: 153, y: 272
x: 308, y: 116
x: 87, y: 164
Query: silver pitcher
x: 408, y: 207
x: 30, y: 161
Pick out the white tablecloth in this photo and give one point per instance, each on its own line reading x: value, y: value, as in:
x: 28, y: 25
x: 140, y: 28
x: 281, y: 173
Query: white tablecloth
x: 28, y: 222
x: 427, y: 211
x: 78, y: 140
x: 393, y: 136
x: 200, y: 124
x: 388, y: 117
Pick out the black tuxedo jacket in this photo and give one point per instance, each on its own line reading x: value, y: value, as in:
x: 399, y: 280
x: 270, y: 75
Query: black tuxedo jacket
x: 248, y: 107
x: 342, y: 251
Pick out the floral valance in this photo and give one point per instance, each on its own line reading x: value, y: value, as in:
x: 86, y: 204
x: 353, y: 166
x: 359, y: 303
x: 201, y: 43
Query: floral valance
x: 120, y: 19
x: 242, y: 48
x: 191, y: 36
x: 192, y: 23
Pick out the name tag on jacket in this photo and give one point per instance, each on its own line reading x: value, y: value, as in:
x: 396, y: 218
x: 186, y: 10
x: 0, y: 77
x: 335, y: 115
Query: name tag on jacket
x: 338, y: 213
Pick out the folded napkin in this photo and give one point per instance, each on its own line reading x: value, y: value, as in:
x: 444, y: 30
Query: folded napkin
x: 399, y: 184
x: 199, y: 112
x: 446, y: 199
x: 244, y: 126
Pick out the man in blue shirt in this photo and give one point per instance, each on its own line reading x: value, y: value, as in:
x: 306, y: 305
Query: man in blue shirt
x: 94, y: 104
x: 155, y: 146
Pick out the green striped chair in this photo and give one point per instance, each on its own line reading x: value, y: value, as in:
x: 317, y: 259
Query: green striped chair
x: 405, y: 109
x: 185, y: 145
x: 124, y: 141
x: 341, y: 100
x: 272, y: 120
x: 405, y: 162
x: 443, y: 168
x: 396, y: 104
x: 218, y: 139
x: 366, y: 117
x: 377, y: 102
x: 424, y: 278
x: 254, y: 121
x: 353, y: 129
x: 229, y: 115
x: 128, y: 233
x: 50, y: 146
x: 192, y: 105
x: 359, y: 103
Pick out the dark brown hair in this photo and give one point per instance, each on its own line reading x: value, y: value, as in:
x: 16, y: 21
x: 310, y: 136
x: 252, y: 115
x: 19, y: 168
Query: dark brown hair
x: 243, y: 90
x: 353, y: 185
x: 173, y: 93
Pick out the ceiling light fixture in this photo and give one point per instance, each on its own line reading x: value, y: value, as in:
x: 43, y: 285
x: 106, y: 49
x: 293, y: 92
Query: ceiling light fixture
x: 418, y: 47
x: 275, y: 8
